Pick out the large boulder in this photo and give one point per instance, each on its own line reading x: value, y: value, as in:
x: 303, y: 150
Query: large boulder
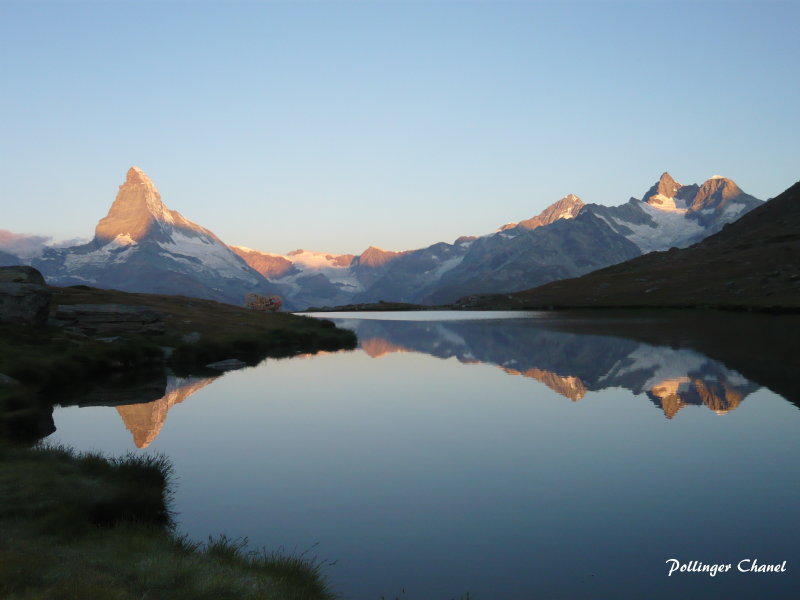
x: 20, y: 274
x: 24, y: 299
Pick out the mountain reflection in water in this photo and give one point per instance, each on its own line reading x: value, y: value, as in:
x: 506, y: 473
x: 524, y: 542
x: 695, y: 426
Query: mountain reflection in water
x: 144, y: 404
x: 436, y: 460
x: 145, y: 420
x: 570, y: 364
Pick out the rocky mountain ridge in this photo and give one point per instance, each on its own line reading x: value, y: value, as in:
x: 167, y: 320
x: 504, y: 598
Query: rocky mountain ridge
x: 752, y: 262
x: 567, y: 239
x: 142, y: 246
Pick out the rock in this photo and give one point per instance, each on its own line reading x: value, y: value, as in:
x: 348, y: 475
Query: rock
x: 24, y: 303
x: 191, y: 338
x: 23, y: 296
x: 110, y: 319
x: 21, y: 274
x: 227, y: 365
x: 6, y: 381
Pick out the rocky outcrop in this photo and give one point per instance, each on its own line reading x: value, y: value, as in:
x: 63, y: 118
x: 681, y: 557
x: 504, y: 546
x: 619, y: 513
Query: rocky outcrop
x: 715, y: 192
x: 21, y: 274
x: 567, y: 208
x: 24, y: 299
x: 109, y: 319
x: 376, y: 257
x: 269, y: 265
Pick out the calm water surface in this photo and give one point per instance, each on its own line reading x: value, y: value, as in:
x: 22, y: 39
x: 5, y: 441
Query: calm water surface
x: 504, y: 457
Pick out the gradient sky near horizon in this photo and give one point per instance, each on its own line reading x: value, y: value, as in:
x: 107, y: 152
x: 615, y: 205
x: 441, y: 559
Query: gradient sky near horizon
x: 339, y: 125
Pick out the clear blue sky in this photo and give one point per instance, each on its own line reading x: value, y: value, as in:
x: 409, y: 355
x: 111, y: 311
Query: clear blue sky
x: 337, y: 125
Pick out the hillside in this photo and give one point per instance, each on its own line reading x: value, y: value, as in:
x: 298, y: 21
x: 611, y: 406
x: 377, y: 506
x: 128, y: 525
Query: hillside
x: 753, y: 262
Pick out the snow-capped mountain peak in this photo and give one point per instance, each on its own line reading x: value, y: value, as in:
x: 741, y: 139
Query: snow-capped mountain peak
x: 143, y: 246
x: 138, y: 211
x: 666, y: 195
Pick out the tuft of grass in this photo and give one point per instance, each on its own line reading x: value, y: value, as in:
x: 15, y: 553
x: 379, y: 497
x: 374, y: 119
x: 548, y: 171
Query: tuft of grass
x: 68, y: 494
x: 80, y: 525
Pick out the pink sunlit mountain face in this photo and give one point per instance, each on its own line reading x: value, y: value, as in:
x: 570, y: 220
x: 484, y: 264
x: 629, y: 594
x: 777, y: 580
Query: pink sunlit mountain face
x: 142, y: 246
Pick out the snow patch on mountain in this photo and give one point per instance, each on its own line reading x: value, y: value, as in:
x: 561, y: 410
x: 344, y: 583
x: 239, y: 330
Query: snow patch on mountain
x: 671, y: 228
x: 210, y: 254
x: 668, y: 204
x: 117, y: 251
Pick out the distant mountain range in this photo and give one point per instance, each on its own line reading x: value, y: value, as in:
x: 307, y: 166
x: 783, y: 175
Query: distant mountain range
x: 752, y: 262
x: 568, y: 238
x: 142, y: 246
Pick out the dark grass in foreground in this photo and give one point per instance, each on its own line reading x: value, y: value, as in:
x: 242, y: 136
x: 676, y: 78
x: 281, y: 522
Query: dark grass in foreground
x: 80, y: 526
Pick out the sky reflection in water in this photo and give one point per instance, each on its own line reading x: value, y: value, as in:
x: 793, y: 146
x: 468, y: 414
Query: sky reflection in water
x: 496, y: 457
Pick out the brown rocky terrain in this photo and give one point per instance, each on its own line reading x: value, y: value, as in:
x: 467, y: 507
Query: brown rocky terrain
x: 268, y: 265
x: 567, y: 208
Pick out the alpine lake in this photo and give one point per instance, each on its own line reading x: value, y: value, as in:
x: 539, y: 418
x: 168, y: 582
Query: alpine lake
x: 494, y: 455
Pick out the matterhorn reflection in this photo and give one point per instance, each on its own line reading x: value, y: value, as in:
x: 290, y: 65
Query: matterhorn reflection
x: 570, y: 364
x: 145, y: 420
x: 143, y: 405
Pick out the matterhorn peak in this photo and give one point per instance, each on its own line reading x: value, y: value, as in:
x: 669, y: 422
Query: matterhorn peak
x: 138, y: 211
x: 136, y: 175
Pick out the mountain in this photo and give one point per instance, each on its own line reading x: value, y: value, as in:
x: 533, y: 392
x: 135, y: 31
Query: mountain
x: 306, y: 277
x: 754, y: 261
x: 567, y: 239
x: 674, y: 215
x: 569, y: 363
x: 566, y: 208
x: 505, y: 263
x: 317, y: 279
x: 142, y: 246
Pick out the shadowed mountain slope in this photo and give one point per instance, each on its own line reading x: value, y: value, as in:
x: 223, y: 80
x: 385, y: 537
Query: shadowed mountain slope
x: 753, y: 262
x: 567, y: 239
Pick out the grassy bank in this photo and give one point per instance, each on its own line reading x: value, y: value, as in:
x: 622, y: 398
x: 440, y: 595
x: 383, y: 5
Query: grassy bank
x: 79, y: 526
